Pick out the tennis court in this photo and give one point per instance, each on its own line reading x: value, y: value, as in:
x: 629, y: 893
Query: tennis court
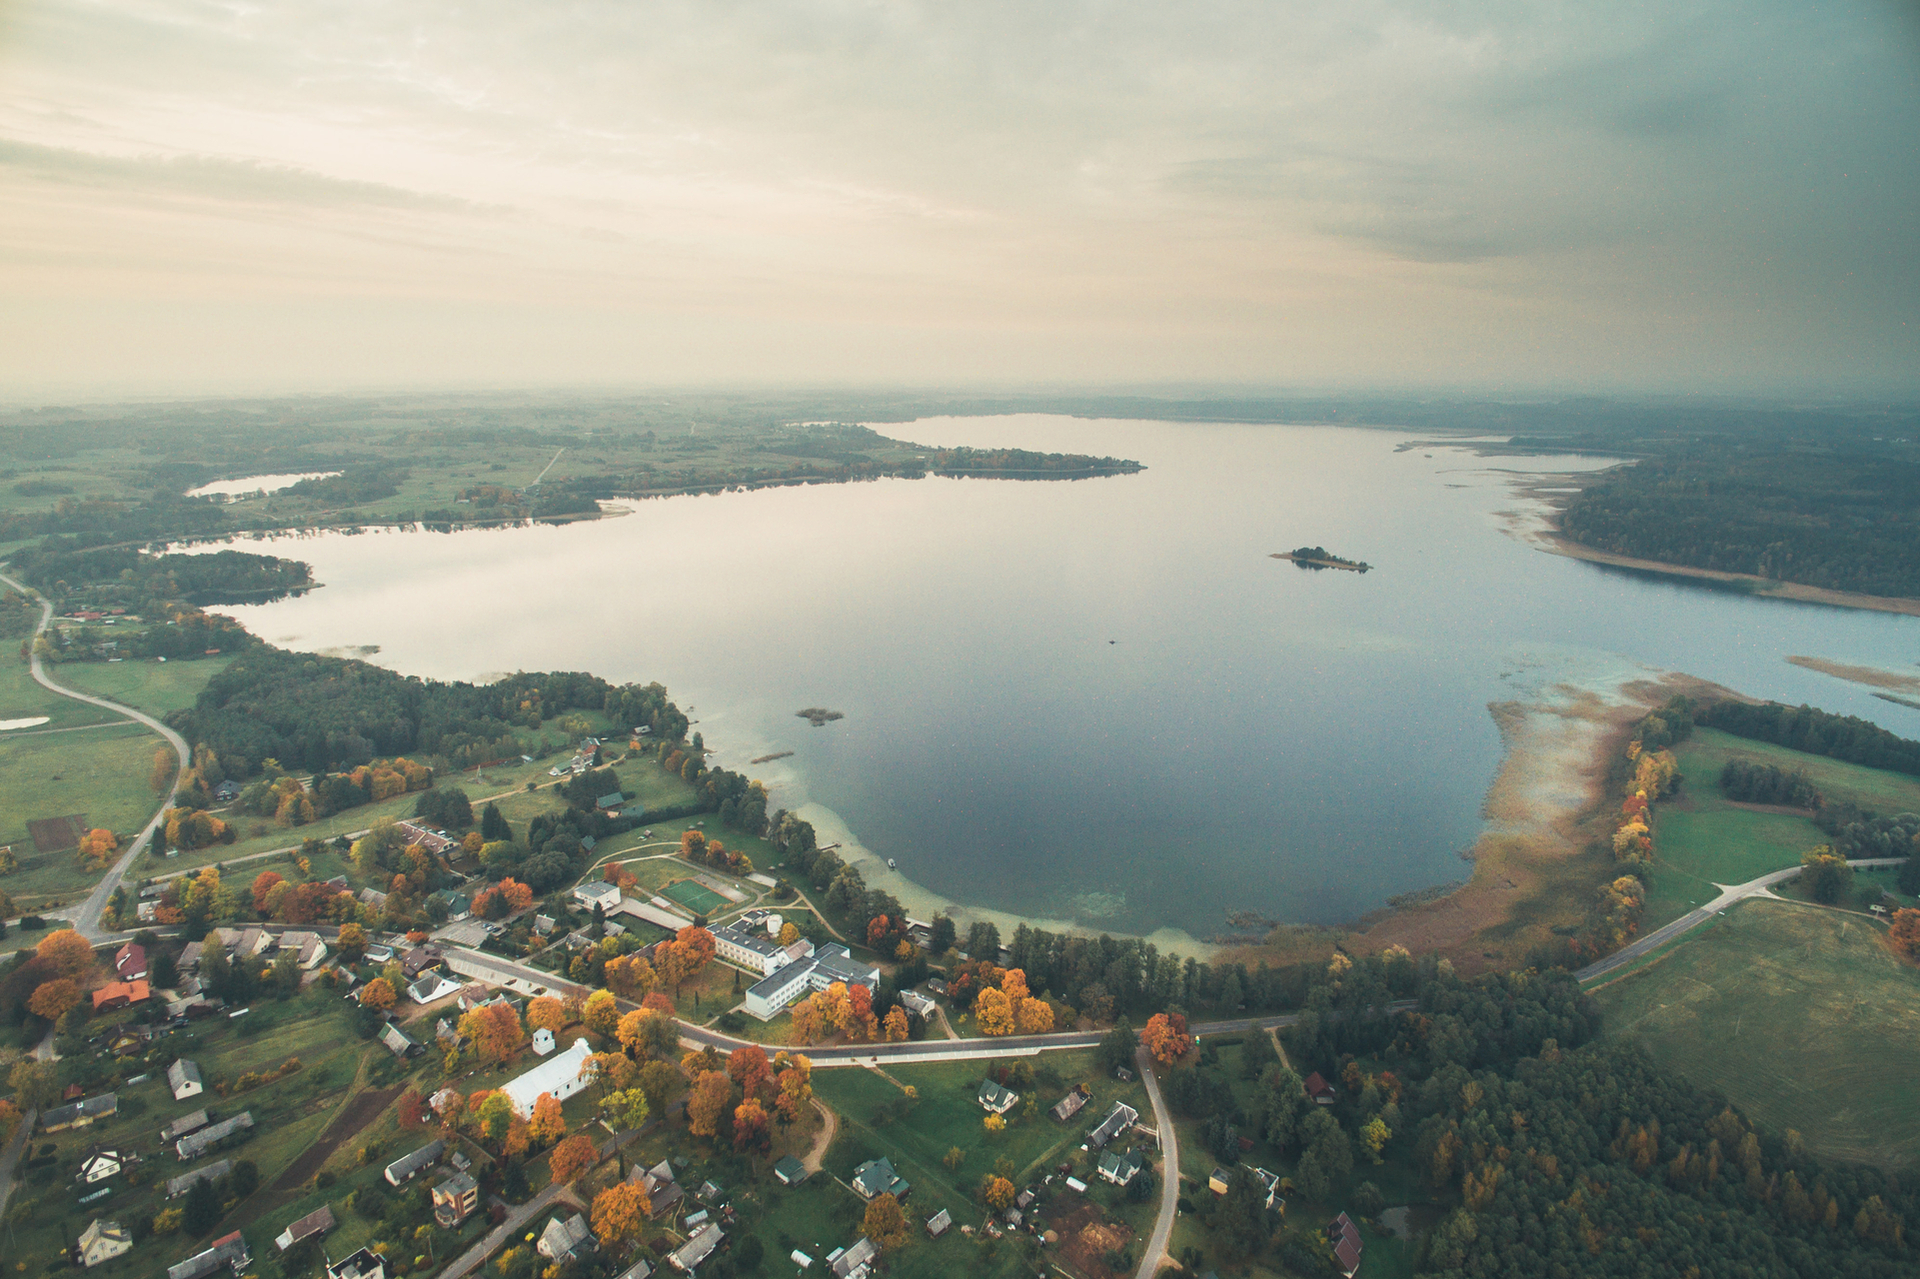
x: 695, y: 896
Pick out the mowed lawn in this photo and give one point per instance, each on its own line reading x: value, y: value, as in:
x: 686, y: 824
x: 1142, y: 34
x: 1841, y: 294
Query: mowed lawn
x: 1801, y: 1015
x: 158, y: 688
x: 104, y: 773
x: 1700, y: 838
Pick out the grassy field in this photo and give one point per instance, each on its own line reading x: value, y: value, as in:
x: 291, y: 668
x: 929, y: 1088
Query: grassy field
x: 1701, y: 838
x: 288, y: 1116
x: 22, y: 698
x: 103, y: 774
x: 1801, y: 1016
x: 157, y: 688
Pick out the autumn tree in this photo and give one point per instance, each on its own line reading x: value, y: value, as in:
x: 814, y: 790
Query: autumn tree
x: 1034, y: 1017
x: 712, y: 1093
x: 377, y: 994
x: 794, y: 1077
x: 67, y: 954
x: 96, y: 846
x: 412, y: 1110
x: 619, y: 1213
x: 495, y: 1116
x: 601, y: 1013
x: 547, y: 1013
x: 997, y: 1191
x: 808, y: 1021
x: 749, y: 1068
x: 649, y: 1033
x: 789, y: 933
x: 896, y: 1025
x: 547, y: 1124
x: 626, y: 1108
x: 351, y: 944
x: 1166, y: 1037
x: 629, y: 976
x: 993, y: 1012
x: 51, y: 999
x: 750, y: 1128
x: 885, y: 1224
x: 1904, y: 932
x: 495, y: 1030
x: 1827, y: 874
x: 572, y: 1157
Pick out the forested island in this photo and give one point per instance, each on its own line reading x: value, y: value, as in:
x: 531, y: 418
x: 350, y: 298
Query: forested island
x: 1315, y: 557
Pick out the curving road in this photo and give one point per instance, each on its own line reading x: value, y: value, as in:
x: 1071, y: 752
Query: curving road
x: 86, y: 916
x: 1729, y: 894
x: 1156, y: 1249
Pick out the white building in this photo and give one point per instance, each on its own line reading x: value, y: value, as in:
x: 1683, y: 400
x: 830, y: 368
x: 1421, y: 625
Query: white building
x: 184, y: 1078
x: 101, y: 1164
x: 542, y: 1041
x: 560, y: 1075
x: 829, y: 964
x: 750, y: 949
x: 599, y: 893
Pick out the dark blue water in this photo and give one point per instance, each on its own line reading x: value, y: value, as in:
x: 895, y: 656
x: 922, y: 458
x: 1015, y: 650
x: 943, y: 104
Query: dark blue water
x: 1098, y: 701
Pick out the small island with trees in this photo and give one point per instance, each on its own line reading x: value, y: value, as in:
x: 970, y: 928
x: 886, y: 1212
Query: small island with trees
x: 1320, y: 557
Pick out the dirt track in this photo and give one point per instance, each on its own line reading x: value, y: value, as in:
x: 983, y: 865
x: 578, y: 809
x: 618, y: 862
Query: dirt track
x: 360, y: 1112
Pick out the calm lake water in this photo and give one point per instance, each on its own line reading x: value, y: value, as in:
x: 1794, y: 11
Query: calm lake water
x: 1100, y: 700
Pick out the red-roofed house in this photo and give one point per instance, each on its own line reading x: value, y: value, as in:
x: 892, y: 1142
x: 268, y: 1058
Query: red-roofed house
x: 131, y: 961
x: 118, y: 994
x: 1319, y: 1089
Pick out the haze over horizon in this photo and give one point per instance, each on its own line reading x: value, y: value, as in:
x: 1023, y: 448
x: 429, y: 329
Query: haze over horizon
x: 208, y: 199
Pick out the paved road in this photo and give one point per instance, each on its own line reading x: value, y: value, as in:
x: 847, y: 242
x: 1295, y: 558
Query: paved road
x: 1729, y: 894
x: 86, y: 916
x: 1156, y: 1249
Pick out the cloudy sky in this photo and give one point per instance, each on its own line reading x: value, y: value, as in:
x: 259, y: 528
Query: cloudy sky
x: 332, y: 194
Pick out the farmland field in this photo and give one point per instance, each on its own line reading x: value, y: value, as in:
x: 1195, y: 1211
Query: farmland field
x: 1802, y: 1016
x: 102, y: 773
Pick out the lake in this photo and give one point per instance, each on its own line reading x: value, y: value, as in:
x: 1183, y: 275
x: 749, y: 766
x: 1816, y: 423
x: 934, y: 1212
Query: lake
x: 1096, y: 701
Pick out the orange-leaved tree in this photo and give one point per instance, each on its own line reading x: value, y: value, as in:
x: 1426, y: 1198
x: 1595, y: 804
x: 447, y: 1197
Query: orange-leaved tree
x: 52, y: 998
x: 377, y: 993
x: 495, y: 1030
x: 712, y: 1094
x: 750, y: 1129
x: 749, y: 1068
x: 547, y: 1124
x: 572, y: 1157
x: 1904, y: 933
x: 997, y: 1191
x: 885, y: 1224
x: 619, y: 1212
x: 67, y: 953
x: 547, y: 1013
x: 896, y: 1025
x: 1166, y: 1037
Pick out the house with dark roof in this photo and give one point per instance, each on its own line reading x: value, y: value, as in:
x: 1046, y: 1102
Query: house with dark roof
x: 195, y: 1144
x: 317, y: 1222
x: 564, y: 1240
x: 419, y: 960
x: 876, y: 1177
x: 790, y: 1171
x: 1319, y: 1089
x: 361, y: 1264
x: 205, y: 1172
x: 1345, y: 1239
x: 193, y: 1121
x: 1118, y: 1120
x: 228, y: 1251
x: 80, y: 1113
x: 1120, y: 1168
x: 130, y: 961
x: 407, y: 1167
x: 1069, y: 1106
x: 994, y: 1099
x: 697, y: 1249
x: 657, y: 1183
x: 399, y: 1042
x: 101, y: 1163
x: 455, y: 1199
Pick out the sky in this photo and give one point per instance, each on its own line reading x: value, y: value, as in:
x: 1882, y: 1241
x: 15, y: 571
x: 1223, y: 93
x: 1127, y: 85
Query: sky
x: 323, y: 195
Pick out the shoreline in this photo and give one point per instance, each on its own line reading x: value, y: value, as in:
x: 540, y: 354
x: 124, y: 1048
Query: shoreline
x: 1544, y: 535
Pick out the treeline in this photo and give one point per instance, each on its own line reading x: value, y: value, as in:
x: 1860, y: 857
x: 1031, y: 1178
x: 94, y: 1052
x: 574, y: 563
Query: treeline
x: 350, y: 487
x: 1756, y: 783
x: 133, y: 579
x: 328, y: 714
x: 1815, y: 732
x: 1849, y: 523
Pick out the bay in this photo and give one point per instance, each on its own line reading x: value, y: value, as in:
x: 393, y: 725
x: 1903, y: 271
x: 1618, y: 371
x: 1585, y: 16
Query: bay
x: 1100, y: 701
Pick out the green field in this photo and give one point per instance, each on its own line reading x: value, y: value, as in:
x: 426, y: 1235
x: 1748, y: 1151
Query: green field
x: 104, y: 774
x: 22, y: 698
x: 695, y: 896
x: 157, y: 688
x: 1801, y: 1016
x: 1701, y: 838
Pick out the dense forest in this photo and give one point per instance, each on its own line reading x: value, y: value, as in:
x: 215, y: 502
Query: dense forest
x: 132, y: 579
x: 1814, y: 732
x: 1848, y: 522
x: 1753, y: 783
x: 326, y: 714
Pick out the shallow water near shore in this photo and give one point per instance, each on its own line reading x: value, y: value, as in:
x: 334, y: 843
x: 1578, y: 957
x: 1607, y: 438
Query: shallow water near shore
x: 1097, y: 701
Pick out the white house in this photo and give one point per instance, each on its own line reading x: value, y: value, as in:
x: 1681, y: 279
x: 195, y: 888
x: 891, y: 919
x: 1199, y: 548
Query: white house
x: 101, y: 1164
x: 184, y: 1078
x: 599, y: 893
x: 560, y: 1075
x: 542, y: 1041
x: 307, y: 948
x: 103, y: 1241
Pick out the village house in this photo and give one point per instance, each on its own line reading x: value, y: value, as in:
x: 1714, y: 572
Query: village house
x: 939, y: 1223
x: 130, y: 961
x: 918, y: 1004
x: 996, y: 1100
x: 399, y: 1042
x: 360, y: 1264
x: 101, y: 1163
x: 455, y: 1199
x: 419, y: 960
x: 81, y: 1113
x: 1118, y: 1120
x: 876, y: 1177
x: 317, y: 1222
x: 229, y: 1251
x: 657, y: 1183
x: 789, y: 1171
x: 1344, y: 1236
x: 429, y: 987
x: 102, y: 1241
x: 206, y: 1172
x: 192, y: 1121
x: 697, y: 1249
x: 1069, y: 1106
x: 1319, y: 1089
x: 195, y: 1144
x: 855, y: 1262
x: 183, y: 1077
x: 564, y: 1240
x: 1120, y: 1168
x: 307, y: 948
x: 119, y: 994
x: 407, y: 1167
